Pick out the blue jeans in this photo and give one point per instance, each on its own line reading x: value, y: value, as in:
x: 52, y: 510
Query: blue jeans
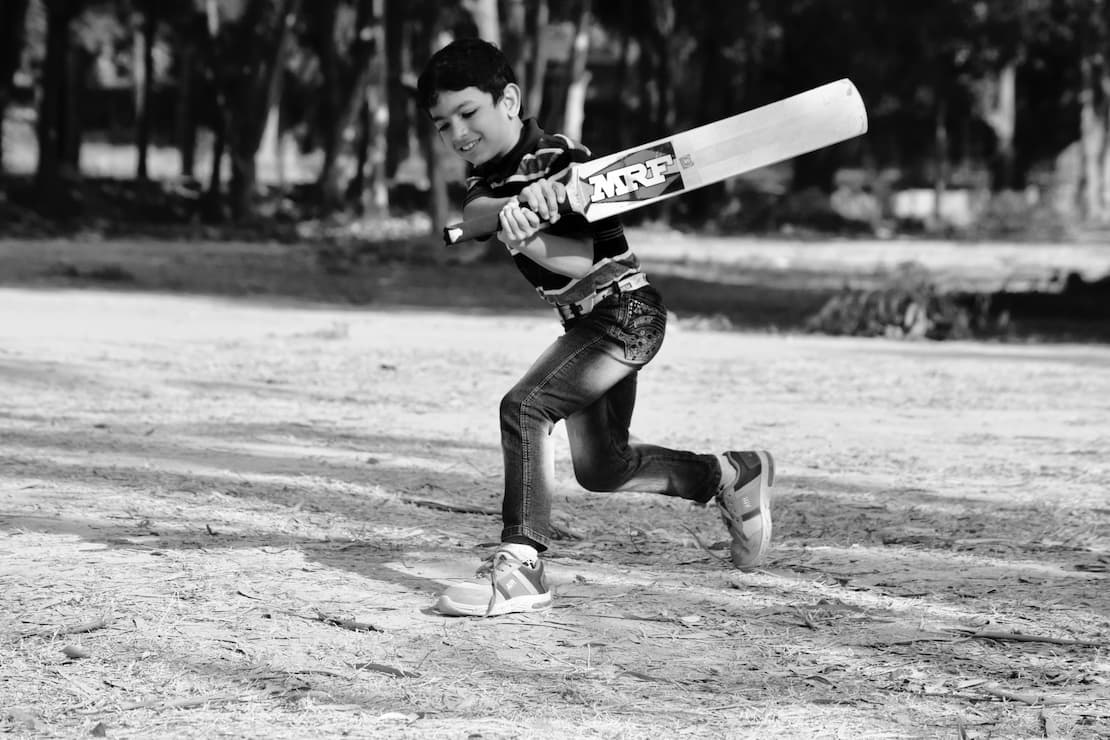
x: 588, y: 378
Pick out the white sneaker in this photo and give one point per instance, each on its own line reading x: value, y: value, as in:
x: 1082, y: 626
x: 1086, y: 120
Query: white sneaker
x: 746, y: 506
x: 510, y: 580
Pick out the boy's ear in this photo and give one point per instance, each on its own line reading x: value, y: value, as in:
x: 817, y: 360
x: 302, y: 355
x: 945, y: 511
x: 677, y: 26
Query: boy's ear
x: 510, y: 99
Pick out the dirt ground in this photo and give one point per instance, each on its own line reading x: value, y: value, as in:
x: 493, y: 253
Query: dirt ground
x: 227, y: 516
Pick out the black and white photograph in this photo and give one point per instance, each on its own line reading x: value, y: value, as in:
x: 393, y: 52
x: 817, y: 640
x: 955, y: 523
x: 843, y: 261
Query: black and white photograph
x: 555, y: 369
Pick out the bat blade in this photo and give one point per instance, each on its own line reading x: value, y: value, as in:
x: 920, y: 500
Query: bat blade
x: 677, y: 164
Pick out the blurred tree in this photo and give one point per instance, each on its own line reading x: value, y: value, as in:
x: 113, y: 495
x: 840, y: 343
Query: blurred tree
x: 514, y: 41
x: 253, y: 39
x: 398, y: 64
x: 955, y: 88
x: 486, y: 19
x: 522, y: 39
x: 996, y: 33
x: 347, y: 79
x: 193, y: 75
x: 142, y: 65
x: 578, y: 77
x: 1094, y: 107
x: 12, y: 20
x: 372, y: 179
x: 436, y: 33
x: 536, y: 61
x: 57, y: 120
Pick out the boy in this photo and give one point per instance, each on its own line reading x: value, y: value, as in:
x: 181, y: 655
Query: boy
x: 613, y: 321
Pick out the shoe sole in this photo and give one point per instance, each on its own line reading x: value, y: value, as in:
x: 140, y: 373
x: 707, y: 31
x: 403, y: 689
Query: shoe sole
x: 766, y: 481
x: 534, y: 603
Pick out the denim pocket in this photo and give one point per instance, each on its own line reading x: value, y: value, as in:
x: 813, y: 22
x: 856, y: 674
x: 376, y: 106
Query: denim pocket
x: 640, y: 324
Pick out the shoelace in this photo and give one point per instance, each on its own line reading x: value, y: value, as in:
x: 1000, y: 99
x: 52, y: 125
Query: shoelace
x: 735, y: 527
x: 490, y: 563
x: 487, y: 565
x: 491, y: 566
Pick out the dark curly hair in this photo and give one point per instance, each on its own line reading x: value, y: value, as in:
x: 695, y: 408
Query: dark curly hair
x: 464, y: 63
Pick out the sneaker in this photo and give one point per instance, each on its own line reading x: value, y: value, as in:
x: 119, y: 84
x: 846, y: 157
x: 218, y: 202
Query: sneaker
x: 746, y: 506
x: 511, y: 580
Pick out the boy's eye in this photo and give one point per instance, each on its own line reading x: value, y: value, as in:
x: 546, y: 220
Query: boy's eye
x: 468, y: 113
x: 441, y: 126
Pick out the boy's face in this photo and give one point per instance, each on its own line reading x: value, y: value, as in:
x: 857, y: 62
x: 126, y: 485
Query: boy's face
x: 476, y: 127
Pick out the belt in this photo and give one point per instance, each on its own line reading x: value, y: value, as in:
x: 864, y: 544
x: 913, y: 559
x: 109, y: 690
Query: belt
x: 568, y: 311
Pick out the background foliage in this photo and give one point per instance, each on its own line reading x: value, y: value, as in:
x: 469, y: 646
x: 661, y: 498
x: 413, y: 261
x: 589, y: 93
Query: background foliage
x: 985, y: 114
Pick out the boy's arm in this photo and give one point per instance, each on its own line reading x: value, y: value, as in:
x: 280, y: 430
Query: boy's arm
x: 561, y: 254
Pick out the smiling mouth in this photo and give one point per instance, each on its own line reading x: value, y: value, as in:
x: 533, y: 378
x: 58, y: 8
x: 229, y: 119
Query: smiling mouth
x: 468, y: 146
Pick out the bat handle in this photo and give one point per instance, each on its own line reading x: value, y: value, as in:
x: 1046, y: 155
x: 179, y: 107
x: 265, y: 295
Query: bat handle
x: 472, y: 228
x: 488, y: 224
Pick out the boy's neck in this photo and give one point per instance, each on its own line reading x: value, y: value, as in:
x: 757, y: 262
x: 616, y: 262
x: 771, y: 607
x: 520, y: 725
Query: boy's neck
x: 517, y: 127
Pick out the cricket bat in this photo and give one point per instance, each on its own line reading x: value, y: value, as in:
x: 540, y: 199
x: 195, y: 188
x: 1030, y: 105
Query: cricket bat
x: 646, y: 174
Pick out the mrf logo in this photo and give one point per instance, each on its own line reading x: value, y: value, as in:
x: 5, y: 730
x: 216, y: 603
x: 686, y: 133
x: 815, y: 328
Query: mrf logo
x: 642, y: 175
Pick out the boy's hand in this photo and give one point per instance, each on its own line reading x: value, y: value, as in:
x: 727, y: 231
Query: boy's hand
x: 541, y: 199
x: 544, y: 197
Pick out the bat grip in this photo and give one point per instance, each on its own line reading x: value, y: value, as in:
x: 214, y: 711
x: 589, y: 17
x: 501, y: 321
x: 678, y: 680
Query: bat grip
x: 472, y: 228
x: 485, y: 225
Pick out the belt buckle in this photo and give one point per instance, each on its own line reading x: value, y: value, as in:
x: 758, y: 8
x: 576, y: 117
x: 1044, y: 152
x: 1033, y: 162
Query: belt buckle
x: 568, y: 311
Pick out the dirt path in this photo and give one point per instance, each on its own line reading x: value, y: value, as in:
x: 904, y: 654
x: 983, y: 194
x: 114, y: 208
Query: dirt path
x: 231, y: 498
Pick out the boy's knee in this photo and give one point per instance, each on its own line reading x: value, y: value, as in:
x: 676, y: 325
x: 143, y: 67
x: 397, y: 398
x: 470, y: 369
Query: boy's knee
x: 511, y: 403
x: 597, y: 478
x: 518, y: 406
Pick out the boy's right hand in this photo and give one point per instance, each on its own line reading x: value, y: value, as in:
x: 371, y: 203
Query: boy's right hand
x: 544, y: 197
x: 535, y: 207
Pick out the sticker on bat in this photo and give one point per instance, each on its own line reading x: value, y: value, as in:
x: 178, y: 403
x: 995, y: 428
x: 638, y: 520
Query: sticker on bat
x: 641, y: 175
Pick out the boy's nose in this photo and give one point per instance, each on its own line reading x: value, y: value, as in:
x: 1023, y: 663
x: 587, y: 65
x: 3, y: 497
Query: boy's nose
x: 458, y: 129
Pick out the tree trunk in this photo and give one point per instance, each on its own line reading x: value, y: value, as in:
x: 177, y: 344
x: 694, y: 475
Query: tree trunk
x: 514, y: 40
x: 271, y: 135
x: 998, y: 109
x: 13, y: 15
x: 69, y: 118
x: 375, y: 192
x: 398, y: 68
x: 663, y: 113
x: 1094, y: 131
x: 367, y: 47
x: 484, y: 13
x: 55, y: 90
x: 331, y: 100
x: 578, y: 79
x: 940, y: 154
x: 185, y: 124
x: 253, y: 88
x: 644, y: 116
x: 714, y: 97
x: 537, y: 77
x: 429, y: 140
x: 663, y: 28
x: 214, y: 195
x: 143, y: 81
x: 625, y: 61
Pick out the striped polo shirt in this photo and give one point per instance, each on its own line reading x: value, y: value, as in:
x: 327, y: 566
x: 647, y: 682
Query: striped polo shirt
x: 541, y: 155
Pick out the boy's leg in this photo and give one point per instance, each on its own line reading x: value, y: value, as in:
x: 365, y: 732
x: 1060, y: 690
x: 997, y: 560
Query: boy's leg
x: 605, y: 459
x: 573, y: 373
